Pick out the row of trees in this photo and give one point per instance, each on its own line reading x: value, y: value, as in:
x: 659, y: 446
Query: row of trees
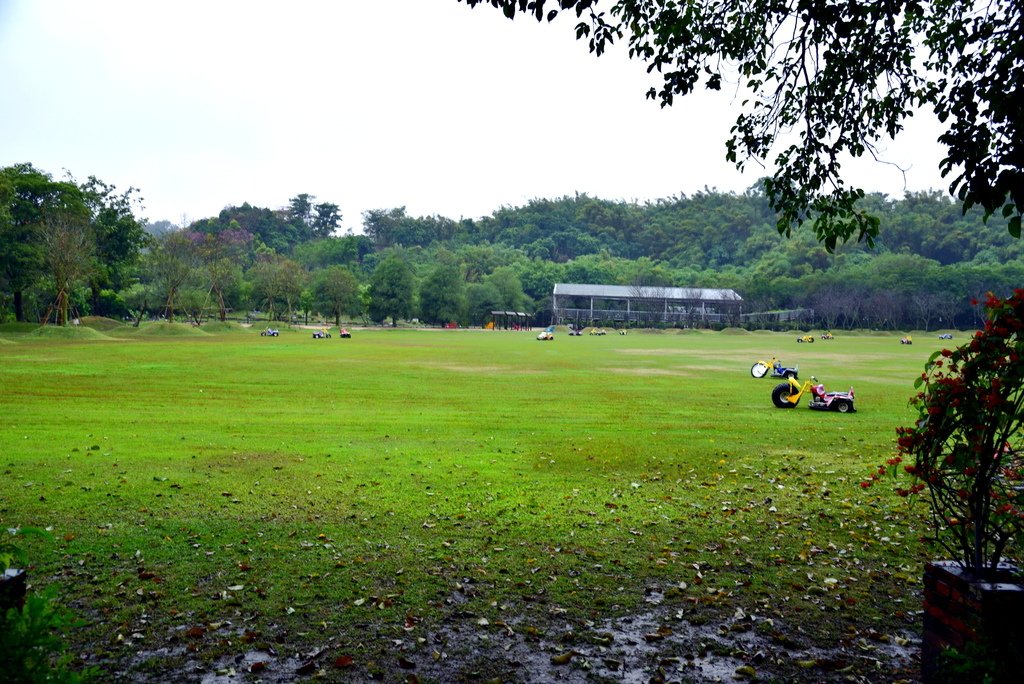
x: 63, y: 235
x: 70, y: 247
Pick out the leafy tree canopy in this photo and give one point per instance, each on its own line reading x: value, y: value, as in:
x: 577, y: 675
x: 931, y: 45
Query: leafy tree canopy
x: 391, y: 290
x: 839, y: 76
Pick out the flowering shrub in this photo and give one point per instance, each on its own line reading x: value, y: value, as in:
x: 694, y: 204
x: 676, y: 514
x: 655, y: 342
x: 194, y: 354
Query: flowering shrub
x: 965, y: 448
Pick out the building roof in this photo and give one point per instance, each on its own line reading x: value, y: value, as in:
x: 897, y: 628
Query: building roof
x: 649, y: 291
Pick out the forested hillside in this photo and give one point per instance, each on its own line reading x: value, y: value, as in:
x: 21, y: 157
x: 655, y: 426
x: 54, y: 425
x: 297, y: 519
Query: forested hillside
x: 928, y: 265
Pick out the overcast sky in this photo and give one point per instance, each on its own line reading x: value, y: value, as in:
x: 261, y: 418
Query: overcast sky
x: 425, y: 104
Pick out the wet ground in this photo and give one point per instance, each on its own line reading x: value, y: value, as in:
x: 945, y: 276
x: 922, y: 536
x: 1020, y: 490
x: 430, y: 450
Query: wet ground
x: 662, y: 645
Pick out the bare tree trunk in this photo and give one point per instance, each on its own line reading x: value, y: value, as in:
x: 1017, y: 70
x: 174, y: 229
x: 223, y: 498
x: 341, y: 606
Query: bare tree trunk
x: 19, y: 306
x: 142, y: 312
x: 169, y: 306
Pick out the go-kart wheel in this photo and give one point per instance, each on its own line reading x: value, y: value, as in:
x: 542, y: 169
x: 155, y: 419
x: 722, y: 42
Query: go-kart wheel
x: 758, y: 370
x: 780, y: 394
x: 843, y: 406
x: 789, y: 374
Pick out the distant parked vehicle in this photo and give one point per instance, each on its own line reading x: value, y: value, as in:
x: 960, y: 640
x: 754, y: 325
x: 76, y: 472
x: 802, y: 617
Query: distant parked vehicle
x: 805, y: 338
x: 321, y: 334
x: 827, y: 335
x: 270, y: 332
x: 344, y: 333
x: 946, y: 336
x: 907, y: 340
x: 546, y: 335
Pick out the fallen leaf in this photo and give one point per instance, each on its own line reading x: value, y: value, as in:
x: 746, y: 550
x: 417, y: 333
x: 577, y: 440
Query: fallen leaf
x: 746, y: 671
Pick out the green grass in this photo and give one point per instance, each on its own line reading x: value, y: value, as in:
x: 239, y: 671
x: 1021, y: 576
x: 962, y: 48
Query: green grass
x: 394, y: 475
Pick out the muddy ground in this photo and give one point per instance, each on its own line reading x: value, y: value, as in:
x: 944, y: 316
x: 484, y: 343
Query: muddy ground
x: 663, y: 644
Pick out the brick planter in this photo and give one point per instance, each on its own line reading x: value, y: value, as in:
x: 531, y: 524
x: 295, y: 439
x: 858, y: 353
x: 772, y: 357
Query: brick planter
x: 13, y: 585
x: 960, y: 610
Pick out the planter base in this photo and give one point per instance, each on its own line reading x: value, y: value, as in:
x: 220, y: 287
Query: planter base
x: 982, y: 620
x: 13, y: 585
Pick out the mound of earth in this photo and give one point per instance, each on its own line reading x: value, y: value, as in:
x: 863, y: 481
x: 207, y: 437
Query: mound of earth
x: 68, y: 332
x: 165, y: 329
x: 101, y: 323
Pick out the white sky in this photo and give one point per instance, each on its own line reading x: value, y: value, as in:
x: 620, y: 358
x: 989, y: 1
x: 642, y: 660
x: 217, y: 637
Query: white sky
x: 425, y: 104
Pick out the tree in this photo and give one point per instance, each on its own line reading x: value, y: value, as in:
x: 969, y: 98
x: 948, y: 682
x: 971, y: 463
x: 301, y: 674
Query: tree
x: 391, y: 290
x: 300, y: 215
x: 510, y: 289
x: 481, y: 300
x: 27, y: 193
x: 326, y: 219
x: 842, y: 76
x: 67, y: 245
x: 137, y: 299
x: 119, y: 236
x: 220, y: 255
x: 347, y: 249
x: 336, y: 292
x: 172, y: 266
x: 442, y: 295
x: 277, y: 284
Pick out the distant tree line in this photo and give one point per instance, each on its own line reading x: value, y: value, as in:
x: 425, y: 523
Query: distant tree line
x: 70, y: 248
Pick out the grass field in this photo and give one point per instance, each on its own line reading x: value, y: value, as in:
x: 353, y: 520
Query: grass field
x: 352, y: 505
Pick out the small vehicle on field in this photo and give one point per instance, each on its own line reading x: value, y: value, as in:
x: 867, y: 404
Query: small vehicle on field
x: 775, y: 367
x: 321, y: 334
x: 344, y: 333
x: 805, y: 338
x: 907, y: 340
x: 270, y: 332
x: 546, y: 335
x: 827, y: 335
x: 622, y: 332
x: 946, y: 336
x: 575, y: 332
x: 597, y: 331
x: 788, y: 394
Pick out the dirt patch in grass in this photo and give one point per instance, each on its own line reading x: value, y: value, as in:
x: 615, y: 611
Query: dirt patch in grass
x: 655, y: 352
x: 483, y: 370
x: 650, y: 371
